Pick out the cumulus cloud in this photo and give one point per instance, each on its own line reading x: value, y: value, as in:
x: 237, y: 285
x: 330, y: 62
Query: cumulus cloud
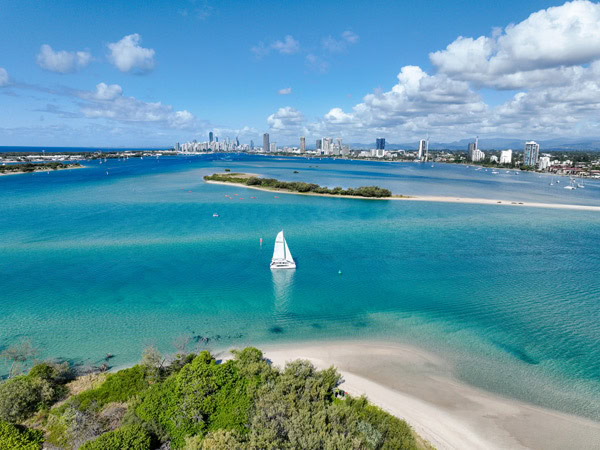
x: 288, y: 46
x: 3, y: 77
x: 417, y: 103
x: 62, y: 61
x: 128, y: 55
x: 108, y: 102
x: 536, y: 51
x: 334, y: 45
x: 285, y: 91
x: 106, y: 92
x: 285, y: 120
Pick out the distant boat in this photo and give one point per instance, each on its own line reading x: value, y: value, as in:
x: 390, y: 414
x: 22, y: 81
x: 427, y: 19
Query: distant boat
x: 494, y: 171
x: 282, y: 258
x: 580, y: 185
x: 215, y: 215
x: 571, y: 185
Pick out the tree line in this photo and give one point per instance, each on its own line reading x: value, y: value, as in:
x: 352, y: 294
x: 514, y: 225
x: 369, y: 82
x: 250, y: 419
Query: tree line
x: 298, y: 186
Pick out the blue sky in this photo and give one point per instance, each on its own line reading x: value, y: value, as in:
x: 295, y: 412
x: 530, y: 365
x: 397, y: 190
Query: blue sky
x: 228, y: 65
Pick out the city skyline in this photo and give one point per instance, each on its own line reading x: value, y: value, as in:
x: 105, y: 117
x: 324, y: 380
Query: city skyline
x: 522, y: 71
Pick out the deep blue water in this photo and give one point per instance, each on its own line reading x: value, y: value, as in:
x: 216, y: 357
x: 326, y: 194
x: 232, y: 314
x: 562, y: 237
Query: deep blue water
x: 95, y: 263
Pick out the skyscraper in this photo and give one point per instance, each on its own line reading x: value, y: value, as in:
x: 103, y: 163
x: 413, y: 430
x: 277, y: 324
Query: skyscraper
x: 302, y: 144
x: 237, y: 142
x: 422, y: 149
x: 210, y: 136
x: 531, y: 153
x: 318, y: 144
x: 380, y: 143
x: 266, y: 146
x: 251, y: 145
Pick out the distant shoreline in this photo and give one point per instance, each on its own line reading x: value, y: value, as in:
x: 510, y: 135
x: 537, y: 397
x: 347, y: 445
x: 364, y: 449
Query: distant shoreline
x: 423, y: 198
x: 22, y: 172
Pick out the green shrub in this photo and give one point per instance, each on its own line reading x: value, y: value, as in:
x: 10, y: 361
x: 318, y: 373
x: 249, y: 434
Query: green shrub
x: 22, y: 396
x: 203, y: 396
x: 118, y: 387
x: 125, y: 438
x: 15, y: 437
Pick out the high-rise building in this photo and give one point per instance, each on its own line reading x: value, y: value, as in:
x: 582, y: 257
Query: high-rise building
x: 422, y: 149
x: 544, y: 162
x: 266, y: 146
x: 273, y: 147
x: 210, y: 136
x: 319, y: 145
x: 506, y: 156
x: 251, y: 145
x: 237, y: 141
x: 472, y: 148
x: 531, y: 153
x: 302, y: 144
x: 477, y: 155
x: 380, y: 143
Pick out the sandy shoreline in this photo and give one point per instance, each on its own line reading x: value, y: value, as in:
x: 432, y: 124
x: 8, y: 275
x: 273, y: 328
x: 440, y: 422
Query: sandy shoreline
x: 422, y: 198
x: 419, y: 387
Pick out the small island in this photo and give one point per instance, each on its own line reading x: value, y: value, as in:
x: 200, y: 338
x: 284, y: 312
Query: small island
x: 10, y: 169
x: 298, y: 187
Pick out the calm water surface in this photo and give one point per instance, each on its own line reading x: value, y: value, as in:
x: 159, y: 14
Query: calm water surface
x: 94, y: 263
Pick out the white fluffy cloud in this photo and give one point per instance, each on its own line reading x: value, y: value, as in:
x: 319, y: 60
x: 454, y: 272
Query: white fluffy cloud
x: 128, y: 55
x: 3, y: 77
x: 285, y: 91
x: 62, y: 61
x: 534, y: 52
x: 552, y: 58
x: 108, y: 102
x: 417, y: 100
x: 106, y: 92
x: 286, y: 120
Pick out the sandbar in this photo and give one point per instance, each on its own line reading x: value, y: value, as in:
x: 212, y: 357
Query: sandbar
x: 420, y: 388
x: 423, y: 198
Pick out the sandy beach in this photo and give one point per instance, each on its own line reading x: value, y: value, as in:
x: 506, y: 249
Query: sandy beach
x: 419, y: 387
x: 422, y: 198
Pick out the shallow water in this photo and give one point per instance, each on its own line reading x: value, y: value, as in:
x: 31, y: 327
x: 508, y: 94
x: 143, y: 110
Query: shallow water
x: 94, y: 264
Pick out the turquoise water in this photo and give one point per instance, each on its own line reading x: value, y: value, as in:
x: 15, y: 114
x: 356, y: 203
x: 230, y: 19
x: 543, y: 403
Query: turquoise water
x: 94, y: 264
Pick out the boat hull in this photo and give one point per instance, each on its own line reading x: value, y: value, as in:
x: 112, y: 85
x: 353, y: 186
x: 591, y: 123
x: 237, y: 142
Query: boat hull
x: 282, y: 265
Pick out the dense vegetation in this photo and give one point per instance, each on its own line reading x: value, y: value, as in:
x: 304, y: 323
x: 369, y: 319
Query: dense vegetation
x: 297, y: 186
x: 34, y: 167
x: 196, y: 402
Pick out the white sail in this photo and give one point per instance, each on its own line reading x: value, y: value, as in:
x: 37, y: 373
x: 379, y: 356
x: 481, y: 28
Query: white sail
x: 288, y: 254
x: 280, y: 247
x: 282, y: 257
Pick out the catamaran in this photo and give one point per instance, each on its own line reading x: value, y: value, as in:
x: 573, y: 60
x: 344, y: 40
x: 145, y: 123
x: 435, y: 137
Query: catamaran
x: 282, y: 258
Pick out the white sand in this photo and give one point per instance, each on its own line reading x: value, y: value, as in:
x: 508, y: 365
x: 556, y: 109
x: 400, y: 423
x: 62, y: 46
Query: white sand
x: 419, y: 387
x: 423, y: 198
